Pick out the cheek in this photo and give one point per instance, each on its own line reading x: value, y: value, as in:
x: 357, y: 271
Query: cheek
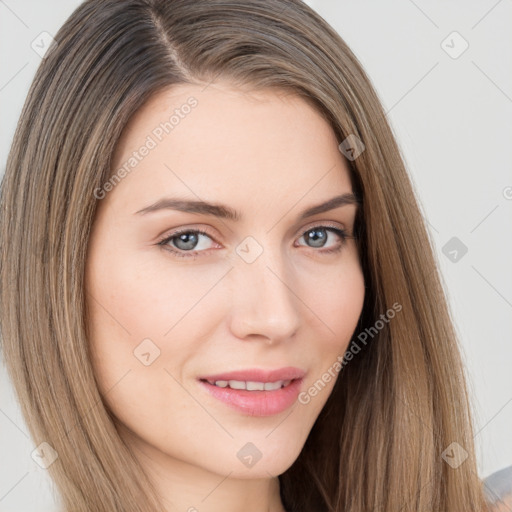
x: 146, y: 316
x: 140, y: 296
x: 147, y: 322
x: 336, y: 297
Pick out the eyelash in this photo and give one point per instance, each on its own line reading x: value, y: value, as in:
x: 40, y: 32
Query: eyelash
x: 190, y: 254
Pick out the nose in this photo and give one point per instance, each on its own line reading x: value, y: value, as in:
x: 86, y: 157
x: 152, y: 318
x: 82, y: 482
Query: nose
x: 264, y: 302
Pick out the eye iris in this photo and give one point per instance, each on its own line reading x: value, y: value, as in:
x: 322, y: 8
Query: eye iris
x: 317, y: 236
x: 189, y: 241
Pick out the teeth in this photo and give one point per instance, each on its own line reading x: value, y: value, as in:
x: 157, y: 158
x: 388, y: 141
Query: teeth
x: 251, y: 386
x: 237, y: 384
x: 271, y: 386
x: 254, y: 386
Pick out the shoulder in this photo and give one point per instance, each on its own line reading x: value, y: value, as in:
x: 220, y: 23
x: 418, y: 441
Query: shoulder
x: 498, y: 490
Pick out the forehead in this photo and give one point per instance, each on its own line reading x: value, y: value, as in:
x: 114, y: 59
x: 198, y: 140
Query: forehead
x: 220, y: 140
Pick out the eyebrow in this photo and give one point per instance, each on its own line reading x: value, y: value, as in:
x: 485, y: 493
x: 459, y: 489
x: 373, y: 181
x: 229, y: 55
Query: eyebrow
x: 226, y: 212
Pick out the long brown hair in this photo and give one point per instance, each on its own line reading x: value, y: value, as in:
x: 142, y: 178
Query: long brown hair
x: 398, y: 404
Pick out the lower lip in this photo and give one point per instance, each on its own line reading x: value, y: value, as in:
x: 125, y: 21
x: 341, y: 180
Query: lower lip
x: 257, y: 403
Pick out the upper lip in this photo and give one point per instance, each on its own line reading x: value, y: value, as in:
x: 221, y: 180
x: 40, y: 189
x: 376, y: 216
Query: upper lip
x: 258, y: 375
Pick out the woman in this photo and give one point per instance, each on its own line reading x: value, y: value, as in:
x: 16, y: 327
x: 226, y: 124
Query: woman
x: 257, y: 372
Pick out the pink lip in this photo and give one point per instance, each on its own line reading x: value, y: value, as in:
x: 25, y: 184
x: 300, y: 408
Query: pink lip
x: 257, y: 403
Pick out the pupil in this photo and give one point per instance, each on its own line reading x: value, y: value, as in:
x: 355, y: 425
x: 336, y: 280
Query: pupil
x: 189, y: 241
x: 317, y: 236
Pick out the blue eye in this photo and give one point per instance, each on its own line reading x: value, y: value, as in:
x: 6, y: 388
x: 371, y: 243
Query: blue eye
x: 187, y: 243
x: 319, y: 235
x: 184, y: 241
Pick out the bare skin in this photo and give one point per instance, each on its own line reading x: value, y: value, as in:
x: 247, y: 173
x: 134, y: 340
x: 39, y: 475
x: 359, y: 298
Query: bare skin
x: 269, y: 156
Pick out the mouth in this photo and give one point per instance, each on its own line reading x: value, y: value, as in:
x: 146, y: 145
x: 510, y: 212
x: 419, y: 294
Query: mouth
x: 263, y: 396
x: 249, y: 385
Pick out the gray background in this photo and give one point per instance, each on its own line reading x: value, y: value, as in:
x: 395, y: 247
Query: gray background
x: 452, y: 117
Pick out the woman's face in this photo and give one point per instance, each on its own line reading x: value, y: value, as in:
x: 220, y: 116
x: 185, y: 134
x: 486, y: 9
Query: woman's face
x: 271, y: 292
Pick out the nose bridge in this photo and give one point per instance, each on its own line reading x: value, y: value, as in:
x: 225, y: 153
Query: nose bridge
x: 263, y: 300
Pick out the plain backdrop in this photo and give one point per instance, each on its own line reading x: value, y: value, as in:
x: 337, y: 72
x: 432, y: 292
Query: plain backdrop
x: 443, y: 73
